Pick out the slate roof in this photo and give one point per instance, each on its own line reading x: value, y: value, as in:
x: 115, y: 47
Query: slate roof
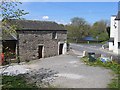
x: 118, y: 16
x: 30, y: 25
x: 9, y: 37
x: 35, y: 25
x: 6, y: 36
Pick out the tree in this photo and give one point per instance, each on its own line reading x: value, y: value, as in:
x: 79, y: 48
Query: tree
x: 9, y: 10
x: 99, y: 29
x: 76, y: 21
x: 78, y: 29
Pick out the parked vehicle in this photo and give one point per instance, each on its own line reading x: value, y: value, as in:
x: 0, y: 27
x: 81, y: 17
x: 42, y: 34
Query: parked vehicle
x: 105, y: 46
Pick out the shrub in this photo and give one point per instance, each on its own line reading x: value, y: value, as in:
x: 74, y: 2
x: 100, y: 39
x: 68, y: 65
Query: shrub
x: 15, y: 82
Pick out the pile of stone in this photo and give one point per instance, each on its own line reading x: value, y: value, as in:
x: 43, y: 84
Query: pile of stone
x: 42, y: 77
x: 13, y: 70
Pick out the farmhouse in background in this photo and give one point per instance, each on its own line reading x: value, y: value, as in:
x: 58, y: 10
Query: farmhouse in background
x: 114, y: 42
x: 35, y: 39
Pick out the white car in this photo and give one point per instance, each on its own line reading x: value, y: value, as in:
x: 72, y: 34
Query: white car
x: 106, y: 45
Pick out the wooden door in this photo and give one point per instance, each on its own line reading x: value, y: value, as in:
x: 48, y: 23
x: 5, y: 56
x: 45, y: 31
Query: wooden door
x: 40, y: 52
x: 60, y: 49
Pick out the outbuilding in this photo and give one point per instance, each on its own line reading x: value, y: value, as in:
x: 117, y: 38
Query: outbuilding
x: 35, y: 39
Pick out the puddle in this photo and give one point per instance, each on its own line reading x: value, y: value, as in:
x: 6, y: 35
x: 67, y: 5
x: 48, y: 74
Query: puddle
x: 71, y: 76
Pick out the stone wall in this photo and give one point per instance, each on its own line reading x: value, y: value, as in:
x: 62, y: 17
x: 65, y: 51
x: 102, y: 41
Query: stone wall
x: 30, y: 40
x: 0, y: 38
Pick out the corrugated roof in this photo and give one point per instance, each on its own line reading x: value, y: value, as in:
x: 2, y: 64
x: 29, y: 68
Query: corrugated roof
x: 89, y: 38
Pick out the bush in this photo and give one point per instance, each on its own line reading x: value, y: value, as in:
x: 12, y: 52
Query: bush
x: 15, y: 82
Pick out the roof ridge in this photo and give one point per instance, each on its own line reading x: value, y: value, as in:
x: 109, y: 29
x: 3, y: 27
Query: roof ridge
x: 36, y: 25
x: 33, y: 20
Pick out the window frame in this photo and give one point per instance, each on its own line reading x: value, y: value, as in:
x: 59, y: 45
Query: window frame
x: 54, y: 35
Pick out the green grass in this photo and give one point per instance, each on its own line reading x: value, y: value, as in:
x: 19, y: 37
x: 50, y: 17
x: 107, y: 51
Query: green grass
x: 114, y: 83
x: 114, y: 66
x: 15, y: 82
x: 20, y: 82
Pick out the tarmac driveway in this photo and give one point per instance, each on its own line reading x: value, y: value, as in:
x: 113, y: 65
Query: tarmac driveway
x: 73, y: 73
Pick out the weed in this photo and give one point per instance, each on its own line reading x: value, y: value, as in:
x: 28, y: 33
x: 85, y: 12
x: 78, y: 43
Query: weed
x: 15, y: 82
x: 114, y: 66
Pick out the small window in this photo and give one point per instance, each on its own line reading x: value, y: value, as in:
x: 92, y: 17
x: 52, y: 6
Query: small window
x: 115, y: 24
x: 119, y: 45
x: 54, y: 35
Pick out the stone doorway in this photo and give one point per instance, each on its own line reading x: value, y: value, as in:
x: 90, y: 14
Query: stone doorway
x: 61, y: 49
x: 40, y: 51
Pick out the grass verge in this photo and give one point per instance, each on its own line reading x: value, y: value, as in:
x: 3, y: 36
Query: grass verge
x: 15, y: 82
x: 114, y: 66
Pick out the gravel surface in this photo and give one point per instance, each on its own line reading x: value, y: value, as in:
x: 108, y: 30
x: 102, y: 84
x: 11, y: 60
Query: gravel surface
x: 73, y: 73
x: 65, y: 71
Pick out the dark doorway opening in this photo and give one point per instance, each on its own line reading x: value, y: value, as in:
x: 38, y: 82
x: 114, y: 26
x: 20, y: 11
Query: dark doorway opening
x: 60, y: 49
x: 9, y: 48
x: 40, y: 52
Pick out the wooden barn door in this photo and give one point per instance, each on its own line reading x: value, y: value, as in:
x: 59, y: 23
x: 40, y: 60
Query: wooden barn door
x: 60, y: 49
x: 40, y: 52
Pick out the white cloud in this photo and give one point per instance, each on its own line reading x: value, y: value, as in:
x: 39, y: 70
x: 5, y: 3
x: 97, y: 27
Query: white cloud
x: 61, y: 22
x: 45, y: 17
x: 70, y: 23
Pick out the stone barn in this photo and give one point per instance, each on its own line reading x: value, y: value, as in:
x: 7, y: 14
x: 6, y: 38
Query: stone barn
x: 36, y: 39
